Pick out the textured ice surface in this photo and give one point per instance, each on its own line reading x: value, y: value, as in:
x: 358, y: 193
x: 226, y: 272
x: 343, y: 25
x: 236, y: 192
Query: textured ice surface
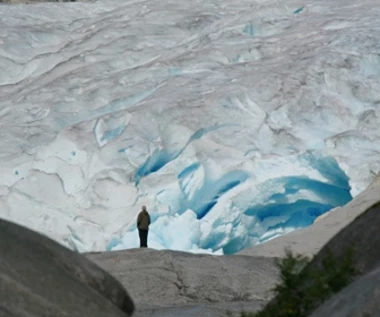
x: 233, y: 121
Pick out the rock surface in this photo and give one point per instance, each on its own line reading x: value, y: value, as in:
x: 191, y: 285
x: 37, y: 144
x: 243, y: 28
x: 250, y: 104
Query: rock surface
x: 363, y: 234
x: 39, y: 277
x: 199, y: 309
x: 360, y: 299
x: 310, y: 240
x: 203, y: 285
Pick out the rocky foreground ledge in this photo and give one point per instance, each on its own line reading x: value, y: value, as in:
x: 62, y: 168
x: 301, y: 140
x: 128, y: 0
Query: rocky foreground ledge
x: 162, y: 283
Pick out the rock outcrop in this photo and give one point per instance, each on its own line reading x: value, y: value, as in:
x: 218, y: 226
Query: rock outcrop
x: 39, y: 277
x: 203, y: 285
x: 363, y: 235
x: 361, y: 298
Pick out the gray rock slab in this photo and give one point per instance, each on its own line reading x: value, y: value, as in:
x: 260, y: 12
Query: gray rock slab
x: 166, y: 278
x: 39, y: 277
x: 201, y: 310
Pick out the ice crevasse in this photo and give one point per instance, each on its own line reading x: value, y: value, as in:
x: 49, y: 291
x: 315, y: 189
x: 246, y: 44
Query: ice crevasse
x: 233, y: 122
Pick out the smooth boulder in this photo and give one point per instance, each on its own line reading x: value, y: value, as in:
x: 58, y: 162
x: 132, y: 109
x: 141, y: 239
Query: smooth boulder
x: 39, y: 277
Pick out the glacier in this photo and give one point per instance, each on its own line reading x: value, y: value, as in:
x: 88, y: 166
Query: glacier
x: 234, y: 122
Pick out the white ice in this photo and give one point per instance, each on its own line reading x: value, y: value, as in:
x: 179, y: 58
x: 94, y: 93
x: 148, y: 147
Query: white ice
x: 233, y: 121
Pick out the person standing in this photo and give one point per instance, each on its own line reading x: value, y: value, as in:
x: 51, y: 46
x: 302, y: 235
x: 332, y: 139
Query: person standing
x: 143, y: 222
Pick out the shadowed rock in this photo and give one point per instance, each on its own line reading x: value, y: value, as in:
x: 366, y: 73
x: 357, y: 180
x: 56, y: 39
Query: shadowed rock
x: 39, y: 277
x: 361, y: 298
x: 363, y: 234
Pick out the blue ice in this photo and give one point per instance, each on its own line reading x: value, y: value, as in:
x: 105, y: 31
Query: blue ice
x: 299, y: 10
x: 110, y: 135
x: 164, y: 156
x: 249, y: 29
x: 113, y: 243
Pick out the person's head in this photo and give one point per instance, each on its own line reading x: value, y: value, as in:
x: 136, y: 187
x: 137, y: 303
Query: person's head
x: 143, y: 208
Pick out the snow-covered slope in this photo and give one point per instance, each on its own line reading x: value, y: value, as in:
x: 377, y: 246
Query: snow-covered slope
x: 232, y: 121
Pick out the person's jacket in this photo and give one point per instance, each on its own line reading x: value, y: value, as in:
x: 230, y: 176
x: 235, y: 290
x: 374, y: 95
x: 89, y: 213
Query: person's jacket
x: 143, y: 220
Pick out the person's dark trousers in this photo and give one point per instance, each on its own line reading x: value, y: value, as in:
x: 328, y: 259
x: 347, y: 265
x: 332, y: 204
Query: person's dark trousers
x: 143, y: 234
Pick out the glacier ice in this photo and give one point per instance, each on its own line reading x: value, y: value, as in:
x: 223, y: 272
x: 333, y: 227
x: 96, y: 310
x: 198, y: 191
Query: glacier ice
x: 234, y: 122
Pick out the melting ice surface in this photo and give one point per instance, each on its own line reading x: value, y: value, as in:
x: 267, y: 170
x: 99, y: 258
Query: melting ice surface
x: 233, y: 121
